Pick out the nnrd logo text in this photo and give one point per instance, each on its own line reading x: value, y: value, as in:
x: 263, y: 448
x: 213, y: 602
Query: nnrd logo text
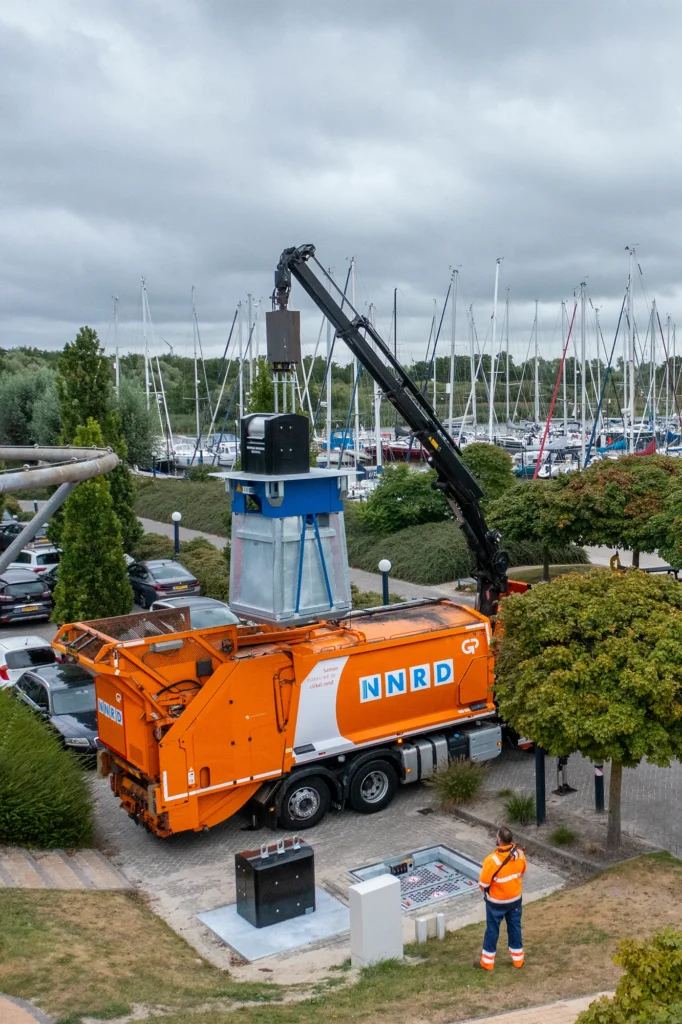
x: 395, y: 683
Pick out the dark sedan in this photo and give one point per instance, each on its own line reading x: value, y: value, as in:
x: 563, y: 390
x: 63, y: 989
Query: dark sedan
x: 161, y: 577
x: 23, y: 595
x: 204, y: 612
x: 65, y: 696
x: 10, y: 530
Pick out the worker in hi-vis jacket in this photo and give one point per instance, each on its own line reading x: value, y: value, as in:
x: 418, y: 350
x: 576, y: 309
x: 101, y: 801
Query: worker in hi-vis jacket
x: 501, y: 881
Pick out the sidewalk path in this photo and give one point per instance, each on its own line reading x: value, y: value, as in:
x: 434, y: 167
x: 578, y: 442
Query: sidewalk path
x: 563, y: 1012
x: 56, y: 869
x: 16, y: 1011
x: 167, y: 530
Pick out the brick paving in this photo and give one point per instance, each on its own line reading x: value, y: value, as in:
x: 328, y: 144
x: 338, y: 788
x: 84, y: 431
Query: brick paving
x: 57, y: 869
x: 193, y: 872
x: 16, y: 1011
x: 652, y: 797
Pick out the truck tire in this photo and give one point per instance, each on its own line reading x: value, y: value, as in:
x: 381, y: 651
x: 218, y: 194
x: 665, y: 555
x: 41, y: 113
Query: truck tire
x: 305, y: 803
x: 373, y: 787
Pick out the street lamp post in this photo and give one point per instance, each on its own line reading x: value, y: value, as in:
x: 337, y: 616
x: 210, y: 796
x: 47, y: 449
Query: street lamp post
x: 384, y: 569
x: 176, y: 517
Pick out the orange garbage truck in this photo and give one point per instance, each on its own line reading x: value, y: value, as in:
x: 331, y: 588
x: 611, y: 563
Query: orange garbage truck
x: 196, y: 724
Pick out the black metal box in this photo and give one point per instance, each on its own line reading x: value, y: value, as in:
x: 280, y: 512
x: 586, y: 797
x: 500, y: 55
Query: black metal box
x: 283, y: 337
x: 275, y: 443
x: 275, y: 883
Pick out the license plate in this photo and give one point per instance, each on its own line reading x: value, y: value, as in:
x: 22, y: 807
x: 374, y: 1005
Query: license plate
x: 181, y: 586
x: 30, y: 608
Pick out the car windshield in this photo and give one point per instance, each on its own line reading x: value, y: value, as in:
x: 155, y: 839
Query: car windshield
x: 29, y: 657
x: 74, y: 700
x: 24, y: 589
x: 204, y: 618
x: 169, y: 572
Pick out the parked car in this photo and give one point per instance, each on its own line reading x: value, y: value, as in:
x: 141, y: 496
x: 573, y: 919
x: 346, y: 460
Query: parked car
x: 50, y: 576
x: 23, y: 596
x: 10, y: 530
x: 160, y: 576
x: 65, y: 696
x: 18, y: 653
x: 39, y: 558
x: 204, y: 612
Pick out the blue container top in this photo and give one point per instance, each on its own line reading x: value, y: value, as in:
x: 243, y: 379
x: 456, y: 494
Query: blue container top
x: 317, y: 492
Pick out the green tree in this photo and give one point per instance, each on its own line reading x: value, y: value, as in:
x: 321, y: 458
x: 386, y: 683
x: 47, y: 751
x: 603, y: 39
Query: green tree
x: 84, y: 384
x: 527, y: 513
x: 137, y: 423
x: 29, y: 409
x: 650, y: 989
x: 617, y: 502
x: 121, y: 483
x: 593, y: 663
x: 262, y: 395
x: 93, y: 578
x: 491, y: 466
x: 403, y: 498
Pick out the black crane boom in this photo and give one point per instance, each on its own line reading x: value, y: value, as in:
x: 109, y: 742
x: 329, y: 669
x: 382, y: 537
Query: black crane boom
x: 453, y: 478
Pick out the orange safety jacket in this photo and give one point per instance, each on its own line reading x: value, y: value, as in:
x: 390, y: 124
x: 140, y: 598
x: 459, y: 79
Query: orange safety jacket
x: 509, y: 879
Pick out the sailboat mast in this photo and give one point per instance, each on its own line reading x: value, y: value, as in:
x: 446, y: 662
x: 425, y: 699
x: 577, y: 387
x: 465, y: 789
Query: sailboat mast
x: 354, y: 373
x: 472, y: 361
x: 598, y: 395
x: 652, y: 364
x: 249, y: 332
x: 506, y: 388
x: 536, y: 392
x: 144, y: 336
x: 453, y: 328
x: 196, y: 367
x: 563, y: 368
x: 329, y: 393
x: 240, y: 336
x: 377, y: 407
x: 631, y: 351
x: 667, y: 378
x: 491, y: 391
x: 583, y: 376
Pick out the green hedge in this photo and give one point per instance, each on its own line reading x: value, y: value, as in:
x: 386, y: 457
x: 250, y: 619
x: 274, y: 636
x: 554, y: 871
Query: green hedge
x: 436, y: 553
x: 204, y: 504
x: 44, y: 793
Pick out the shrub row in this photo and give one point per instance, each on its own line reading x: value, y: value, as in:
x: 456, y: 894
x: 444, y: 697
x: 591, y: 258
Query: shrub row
x: 44, y: 794
x: 436, y: 552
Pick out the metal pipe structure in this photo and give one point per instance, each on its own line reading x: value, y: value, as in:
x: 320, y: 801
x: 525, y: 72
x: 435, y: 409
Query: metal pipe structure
x: 31, y: 528
x: 83, y: 464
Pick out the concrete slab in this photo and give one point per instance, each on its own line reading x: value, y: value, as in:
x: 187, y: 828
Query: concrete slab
x: 330, y: 918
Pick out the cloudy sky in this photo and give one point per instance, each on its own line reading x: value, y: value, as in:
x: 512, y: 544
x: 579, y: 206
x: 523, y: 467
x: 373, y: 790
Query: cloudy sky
x: 190, y: 141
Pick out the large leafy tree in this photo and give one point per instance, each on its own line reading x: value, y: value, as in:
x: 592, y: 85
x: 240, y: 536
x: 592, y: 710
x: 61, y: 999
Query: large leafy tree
x: 492, y: 467
x: 84, y: 384
x: 593, y: 663
x: 616, y: 502
x: 29, y: 407
x: 528, y: 513
x: 403, y: 498
x: 93, y: 577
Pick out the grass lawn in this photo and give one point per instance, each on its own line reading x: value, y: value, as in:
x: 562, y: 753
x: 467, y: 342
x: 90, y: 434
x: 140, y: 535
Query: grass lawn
x: 204, y: 505
x: 97, y: 954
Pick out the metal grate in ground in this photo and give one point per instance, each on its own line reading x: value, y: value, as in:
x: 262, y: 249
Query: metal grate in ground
x: 430, y: 883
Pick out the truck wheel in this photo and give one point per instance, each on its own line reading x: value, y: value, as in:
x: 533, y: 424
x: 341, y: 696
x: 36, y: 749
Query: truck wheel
x: 373, y: 787
x: 305, y: 803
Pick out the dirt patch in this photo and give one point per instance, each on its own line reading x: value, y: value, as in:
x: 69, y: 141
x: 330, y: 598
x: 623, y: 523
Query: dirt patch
x: 589, y: 831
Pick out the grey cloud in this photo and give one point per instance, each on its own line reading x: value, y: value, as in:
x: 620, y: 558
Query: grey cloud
x: 192, y: 141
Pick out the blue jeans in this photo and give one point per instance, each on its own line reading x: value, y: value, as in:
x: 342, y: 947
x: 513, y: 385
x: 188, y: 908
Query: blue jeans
x: 495, y: 914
